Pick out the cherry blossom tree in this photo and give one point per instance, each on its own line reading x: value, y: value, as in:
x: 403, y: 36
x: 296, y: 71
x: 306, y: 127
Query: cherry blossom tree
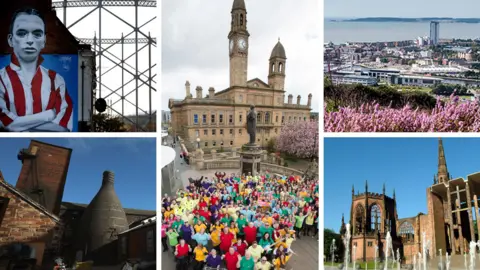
x: 299, y: 139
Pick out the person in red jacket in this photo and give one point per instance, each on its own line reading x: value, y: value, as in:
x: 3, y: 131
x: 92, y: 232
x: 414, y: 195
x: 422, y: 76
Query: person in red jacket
x: 181, y: 253
x: 250, y: 233
x: 231, y: 259
x: 240, y: 247
x: 226, y: 238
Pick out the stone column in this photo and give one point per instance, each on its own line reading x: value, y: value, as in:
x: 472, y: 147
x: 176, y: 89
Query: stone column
x: 199, y: 159
x: 272, y: 156
x: 214, y: 154
x: 282, y: 161
x: 450, y: 219
x: 265, y: 156
x: 234, y: 152
x: 469, y: 204
x: 459, y: 221
x: 477, y: 214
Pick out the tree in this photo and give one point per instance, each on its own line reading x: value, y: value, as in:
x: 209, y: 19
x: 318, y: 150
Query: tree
x: 329, y: 235
x: 299, y: 139
x: 104, y: 123
x: 271, y: 145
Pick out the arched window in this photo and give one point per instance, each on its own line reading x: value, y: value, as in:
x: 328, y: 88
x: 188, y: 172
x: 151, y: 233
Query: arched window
x: 406, y: 232
x: 375, y: 218
x: 241, y: 19
x: 273, y: 67
x: 359, y: 219
x: 280, y: 67
x: 267, y: 117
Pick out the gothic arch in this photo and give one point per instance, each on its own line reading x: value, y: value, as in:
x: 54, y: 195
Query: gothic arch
x: 406, y: 232
x: 359, y: 219
x: 375, y: 217
x: 273, y: 67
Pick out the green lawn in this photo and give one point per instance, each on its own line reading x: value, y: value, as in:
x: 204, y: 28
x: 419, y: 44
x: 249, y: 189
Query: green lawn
x: 414, y: 89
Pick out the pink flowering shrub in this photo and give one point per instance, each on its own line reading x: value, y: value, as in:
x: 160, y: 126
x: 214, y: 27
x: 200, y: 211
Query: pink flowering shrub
x: 448, y: 116
x: 299, y: 139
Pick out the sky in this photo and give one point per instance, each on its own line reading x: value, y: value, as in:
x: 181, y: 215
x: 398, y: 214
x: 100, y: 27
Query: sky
x: 405, y: 8
x: 195, y: 45
x: 112, y: 28
x: 404, y: 164
x: 132, y: 160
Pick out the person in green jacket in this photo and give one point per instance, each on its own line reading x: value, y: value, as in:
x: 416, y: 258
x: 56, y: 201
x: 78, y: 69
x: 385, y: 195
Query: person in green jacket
x: 266, y: 243
x: 172, y: 238
x: 247, y: 262
x: 266, y: 228
x: 241, y: 222
x: 299, y: 223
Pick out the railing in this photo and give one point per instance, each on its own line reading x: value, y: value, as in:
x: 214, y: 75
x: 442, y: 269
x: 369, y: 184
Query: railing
x: 235, y: 164
x: 221, y: 164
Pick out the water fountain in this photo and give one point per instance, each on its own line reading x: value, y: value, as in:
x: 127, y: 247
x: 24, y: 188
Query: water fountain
x: 441, y: 259
x: 376, y: 254
x: 415, y: 262
x: 398, y: 259
x: 425, y: 246
x: 465, y: 260
x: 354, y: 256
x: 447, y: 261
x: 419, y: 261
x: 472, y: 252
x: 388, y: 240
x: 346, y: 243
x: 333, y: 251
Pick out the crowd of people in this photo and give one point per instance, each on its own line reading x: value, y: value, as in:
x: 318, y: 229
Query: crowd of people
x: 239, y: 222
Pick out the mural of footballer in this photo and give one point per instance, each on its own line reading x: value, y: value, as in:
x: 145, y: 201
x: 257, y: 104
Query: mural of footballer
x: 32, y: 97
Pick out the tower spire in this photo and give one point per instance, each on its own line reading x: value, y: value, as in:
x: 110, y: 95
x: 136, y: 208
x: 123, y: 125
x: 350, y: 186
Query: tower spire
x: 384, y: 189
x: 442, y: 174
x: 353, y: 190
x: 393, y: 194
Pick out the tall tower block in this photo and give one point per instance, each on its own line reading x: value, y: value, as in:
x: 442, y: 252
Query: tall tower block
x: 238, y: 44
x: 43, y: 173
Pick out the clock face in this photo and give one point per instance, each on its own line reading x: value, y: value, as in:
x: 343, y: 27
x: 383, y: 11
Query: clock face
x: 231, y: 46
x: 242, y: 44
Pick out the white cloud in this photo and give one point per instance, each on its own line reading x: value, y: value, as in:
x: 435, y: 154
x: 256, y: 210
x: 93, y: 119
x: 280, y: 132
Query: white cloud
x: 195, y: 44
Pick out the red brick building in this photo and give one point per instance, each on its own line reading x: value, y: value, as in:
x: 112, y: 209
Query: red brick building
x: 449, y: 224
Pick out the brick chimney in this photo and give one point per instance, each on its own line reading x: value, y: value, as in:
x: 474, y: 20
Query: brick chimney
x: 211, y: 92
x: 187, y: 90
x: 290, y: 99
x: 298, y: 99
x: 309, y: 102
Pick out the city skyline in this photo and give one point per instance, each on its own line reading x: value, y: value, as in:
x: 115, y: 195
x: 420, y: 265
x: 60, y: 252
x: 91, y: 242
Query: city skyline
x: 406, y: 165
x: 408, y: 8
x: 183, y: 40
x: 134, y: 165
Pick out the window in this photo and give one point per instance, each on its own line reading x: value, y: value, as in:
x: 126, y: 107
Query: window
x: 230, y: 119
x: 290, y: 119
x: 221, y: 143
x: 231, y: 131
x: 205, y: 132
x: 304, y: 118
x: 195, y: 119
x: 280, y: 67
x: 221, y: 131
x: 370, y: 244
x: 213, y: 119
x: 267, y: 117
x: 240, y: 98
x: 197, y: 133
x: 407, y: 232
x: 259, y: 117
x: 376, y: 217
x: 3, y: 208
x: 294, y: 119
x: 231, y: 143
x: 206, y: 144
x: 283, y: 119
x: 276, y: 118
x: 214, y: 143
x: 220, y: 118
x: 240, y: 118
x: 214, y: 131
x: 150, y: 242
x: 204, y: 119
x: 240, y: 131
x: 276, y: 131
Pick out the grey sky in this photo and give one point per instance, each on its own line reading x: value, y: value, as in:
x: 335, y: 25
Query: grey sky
x: 113, y: 28
x: 405, y: 8
x: 195, y: 44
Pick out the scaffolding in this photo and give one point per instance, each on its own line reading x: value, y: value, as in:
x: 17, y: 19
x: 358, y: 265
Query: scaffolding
x: 103, y: 47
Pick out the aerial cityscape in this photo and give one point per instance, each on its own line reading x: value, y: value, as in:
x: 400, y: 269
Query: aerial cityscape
x: 430, y: 63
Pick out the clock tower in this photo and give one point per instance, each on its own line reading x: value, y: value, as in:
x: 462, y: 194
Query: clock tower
x: 238, y: 44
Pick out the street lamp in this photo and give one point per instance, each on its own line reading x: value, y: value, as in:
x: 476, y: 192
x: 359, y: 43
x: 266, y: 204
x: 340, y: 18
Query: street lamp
x: 198, y: 143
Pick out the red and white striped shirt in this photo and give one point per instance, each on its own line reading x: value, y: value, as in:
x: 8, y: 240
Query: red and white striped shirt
x: 42, y: 103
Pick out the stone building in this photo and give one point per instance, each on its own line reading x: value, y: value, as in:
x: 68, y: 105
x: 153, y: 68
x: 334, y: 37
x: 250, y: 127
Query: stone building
x: 449, y: 225
x: 36, y: 226
x: 219, y: 118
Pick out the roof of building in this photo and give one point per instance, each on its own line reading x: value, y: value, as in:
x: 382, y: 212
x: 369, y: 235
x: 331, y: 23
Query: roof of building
x: 24, y: 197
x: 278, y: 51
x: 143, y: 223
x: 239, y: 4
x: 128, y: 211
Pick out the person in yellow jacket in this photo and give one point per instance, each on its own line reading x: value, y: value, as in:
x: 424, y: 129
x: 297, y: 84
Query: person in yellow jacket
x: 281, y: 262
x: 215, y: 237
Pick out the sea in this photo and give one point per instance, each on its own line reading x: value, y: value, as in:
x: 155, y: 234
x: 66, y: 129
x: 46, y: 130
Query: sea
x: 341, y: 32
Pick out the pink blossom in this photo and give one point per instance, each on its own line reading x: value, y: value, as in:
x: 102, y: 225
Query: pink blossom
x: 299, y: 139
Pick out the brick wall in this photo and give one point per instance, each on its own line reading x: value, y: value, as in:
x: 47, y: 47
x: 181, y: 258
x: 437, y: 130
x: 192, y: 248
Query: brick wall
x: 51, y: 172
x: 59, y: 39
x: 23, y: 223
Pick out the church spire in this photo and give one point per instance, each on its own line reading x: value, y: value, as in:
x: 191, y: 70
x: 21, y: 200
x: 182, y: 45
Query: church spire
x: 383, y: 189
x: 442, y: 175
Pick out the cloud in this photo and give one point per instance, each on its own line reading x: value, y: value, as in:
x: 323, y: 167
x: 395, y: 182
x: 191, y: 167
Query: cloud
x: 195, y: 45
x: 79, y: 144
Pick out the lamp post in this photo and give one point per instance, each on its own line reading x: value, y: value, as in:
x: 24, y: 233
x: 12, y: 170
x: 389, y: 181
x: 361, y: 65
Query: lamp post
x: 198, y: 143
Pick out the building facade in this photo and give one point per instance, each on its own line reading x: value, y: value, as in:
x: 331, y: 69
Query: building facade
x: 434, y: 32
x: 449, y: 224
x: 218, y: 119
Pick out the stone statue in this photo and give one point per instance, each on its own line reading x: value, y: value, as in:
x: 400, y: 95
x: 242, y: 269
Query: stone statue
x: 252, y: 124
